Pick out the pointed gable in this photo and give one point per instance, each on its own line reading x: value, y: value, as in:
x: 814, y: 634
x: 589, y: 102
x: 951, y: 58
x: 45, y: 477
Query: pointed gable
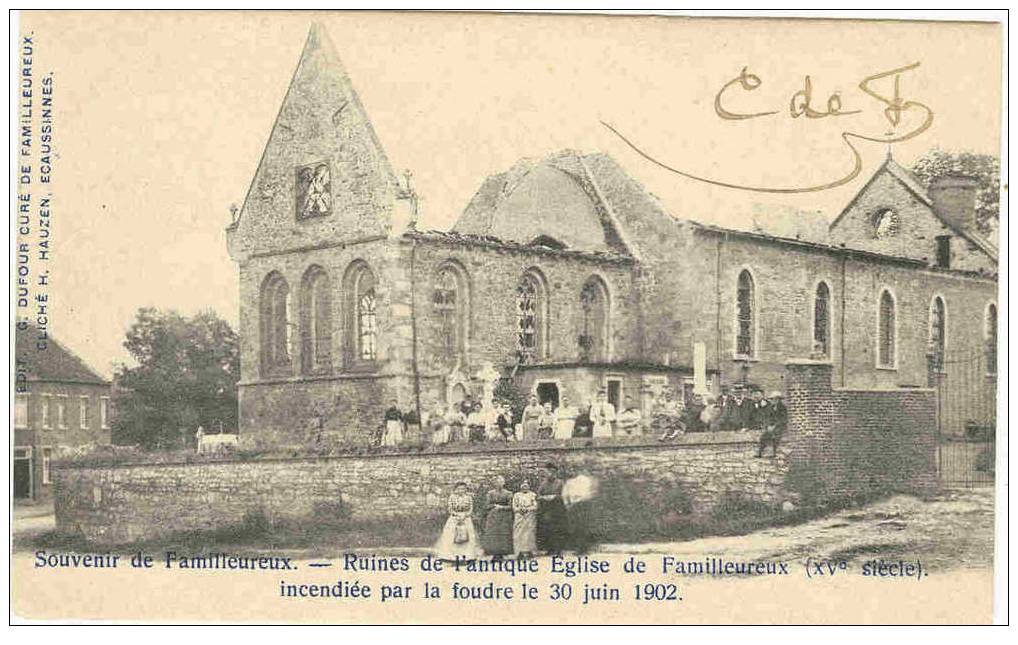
x: 893, y: 214
x: 323, y: 176
x: 551, y: 201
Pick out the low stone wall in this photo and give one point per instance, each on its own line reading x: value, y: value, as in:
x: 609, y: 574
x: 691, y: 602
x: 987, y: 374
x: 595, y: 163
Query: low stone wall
x: 118, y: 504
x: 840, y: 444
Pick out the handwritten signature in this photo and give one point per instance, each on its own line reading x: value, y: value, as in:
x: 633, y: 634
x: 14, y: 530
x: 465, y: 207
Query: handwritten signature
x: 802, y: 104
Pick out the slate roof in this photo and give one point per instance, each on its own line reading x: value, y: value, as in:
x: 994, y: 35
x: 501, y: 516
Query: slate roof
x: 55, y: 363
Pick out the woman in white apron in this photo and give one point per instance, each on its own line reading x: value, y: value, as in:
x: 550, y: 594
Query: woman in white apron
x: 602, y: 415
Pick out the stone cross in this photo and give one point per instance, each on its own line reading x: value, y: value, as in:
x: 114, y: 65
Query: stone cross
x: 488, y: 375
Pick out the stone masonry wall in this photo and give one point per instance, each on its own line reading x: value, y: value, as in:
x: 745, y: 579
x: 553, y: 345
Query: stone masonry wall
x: 111, y: 505
x: 785, y: 279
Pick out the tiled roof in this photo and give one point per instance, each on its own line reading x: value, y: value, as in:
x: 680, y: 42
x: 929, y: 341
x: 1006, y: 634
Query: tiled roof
x: 53, y: 362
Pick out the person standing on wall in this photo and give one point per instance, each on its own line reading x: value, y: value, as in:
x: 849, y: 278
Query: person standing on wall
x: 630, y: 419
x: 602, y: 415
x: 531, y: 418
x: 393, y: 422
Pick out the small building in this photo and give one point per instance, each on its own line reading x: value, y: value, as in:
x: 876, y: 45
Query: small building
x: 59, y: 402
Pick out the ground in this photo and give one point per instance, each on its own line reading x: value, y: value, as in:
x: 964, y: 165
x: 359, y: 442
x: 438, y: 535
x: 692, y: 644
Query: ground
x: 951, y: 530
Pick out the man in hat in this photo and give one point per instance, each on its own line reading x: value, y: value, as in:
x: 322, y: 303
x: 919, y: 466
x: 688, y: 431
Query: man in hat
x: 776, y: 424
x: 760, y: 413
x: 742, y: 411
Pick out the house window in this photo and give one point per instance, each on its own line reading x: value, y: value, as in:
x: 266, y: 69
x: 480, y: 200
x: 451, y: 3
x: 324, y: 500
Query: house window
x: 275, y: 327
x: 745, y: 304
x: 886, y: 332
x: 938, y: 332
x: 990, y: 336
x: 315, y: 321
x: 944, y: 251
x: 44, y: 420
x: 450, y: 303
x: 362, y: 317
x: 314, y: 191
x: 885, y: 224
x: 593, y: 338
x: 104, y: 412
x: 20, y: 410
x: 47, y: 456
x: 822, y: 321
x: 61, y: 411
x: 531, y: 308
x: 84, y: 419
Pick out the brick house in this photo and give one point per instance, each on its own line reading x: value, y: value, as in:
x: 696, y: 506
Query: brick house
x: 59, y: 402
x: 568, y: 276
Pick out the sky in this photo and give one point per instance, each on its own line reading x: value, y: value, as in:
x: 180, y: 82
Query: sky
x: 160, y: 119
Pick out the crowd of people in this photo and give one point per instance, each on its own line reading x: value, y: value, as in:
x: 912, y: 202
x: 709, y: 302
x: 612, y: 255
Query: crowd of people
x: 739, y: 408
x: 551, y: 517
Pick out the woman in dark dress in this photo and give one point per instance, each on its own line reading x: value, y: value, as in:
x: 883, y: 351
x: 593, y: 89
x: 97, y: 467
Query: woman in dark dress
x: 552, y: 522
x: 498, y: 522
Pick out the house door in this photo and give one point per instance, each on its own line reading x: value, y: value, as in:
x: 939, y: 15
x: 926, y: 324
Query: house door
x: 22, y: 473
x: 615, y: 392
x: 548, y: 392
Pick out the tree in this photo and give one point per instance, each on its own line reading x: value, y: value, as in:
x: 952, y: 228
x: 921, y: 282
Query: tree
x: 985, y: 168
x: 186, y: 375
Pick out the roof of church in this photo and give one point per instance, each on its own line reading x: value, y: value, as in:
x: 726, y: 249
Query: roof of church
x: 488, y: 210
x: 830, y: 248
x: 54, y: 363
x: 916, y: 187
x: 490, y: 241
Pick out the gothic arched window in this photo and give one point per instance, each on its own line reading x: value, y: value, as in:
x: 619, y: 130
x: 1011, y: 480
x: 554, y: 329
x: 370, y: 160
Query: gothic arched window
x: 938, y: 331
x: 745, y: 315
x: 362, y: 313
x: 887, y: 331
x: 990, y: 336
x: 531, y: 314
x: 822, y: 320
x: 275, y: 326
x: 315, y: 321
x: 593, y: 338
x: 451, y: 301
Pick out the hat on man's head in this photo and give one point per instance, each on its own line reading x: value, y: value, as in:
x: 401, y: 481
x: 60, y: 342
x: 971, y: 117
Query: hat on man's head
x: 776, y: 394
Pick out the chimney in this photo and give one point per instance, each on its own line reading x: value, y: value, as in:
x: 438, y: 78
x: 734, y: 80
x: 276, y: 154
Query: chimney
x: 954, y: 198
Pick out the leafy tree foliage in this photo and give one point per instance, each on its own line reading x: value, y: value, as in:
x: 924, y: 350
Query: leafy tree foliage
x: 985, y: 168
x: 186, y: 376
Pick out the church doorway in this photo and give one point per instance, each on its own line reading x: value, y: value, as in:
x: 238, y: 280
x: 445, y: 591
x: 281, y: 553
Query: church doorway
x: 615, y: 392
x: 547, y: 391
